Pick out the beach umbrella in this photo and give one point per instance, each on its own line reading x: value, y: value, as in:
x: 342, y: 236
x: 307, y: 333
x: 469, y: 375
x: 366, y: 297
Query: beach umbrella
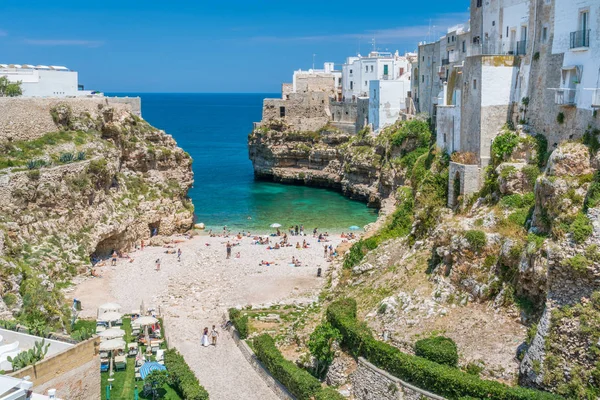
x: 275, y: 225
x: 112, y: 333
x: 354, y: 228
x: 149, y: 367
x: 109, y: 316
x: 145, y: 321
x: 109, y: 307
x: 111, y: 345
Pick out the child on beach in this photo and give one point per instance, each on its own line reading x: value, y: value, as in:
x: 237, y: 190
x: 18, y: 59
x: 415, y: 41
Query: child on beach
x: 158, y: 264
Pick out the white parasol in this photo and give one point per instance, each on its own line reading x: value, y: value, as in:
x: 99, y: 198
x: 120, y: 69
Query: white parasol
x: 111, y: 345
x: 112, y: 333
x: 109, y: 316
x: 275, y: 225
x: 145, y: 321
x: 106, y: 307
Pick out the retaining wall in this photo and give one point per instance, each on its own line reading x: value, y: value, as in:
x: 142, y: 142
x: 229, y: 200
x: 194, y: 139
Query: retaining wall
x: 74, y: 372
x: 265, y: 375
x: 372, y: 383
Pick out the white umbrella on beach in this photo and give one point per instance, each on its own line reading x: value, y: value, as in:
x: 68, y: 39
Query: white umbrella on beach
x: 111, y: 345
x: 112, y: 333
x: 275, y: 225
x: 145, y: 321
x: 107, y: 307
x: 109, y: 317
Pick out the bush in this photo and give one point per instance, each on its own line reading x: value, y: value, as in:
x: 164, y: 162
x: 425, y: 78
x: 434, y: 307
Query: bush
x: 437, y: 378
x: 320, y: 346
x: 239, y: 321
x: 182, y: 378
x: 439, y: 349
x: 503, y: 146
x: 581, y: 228
x: 477, y: 240
x: 299, y: 382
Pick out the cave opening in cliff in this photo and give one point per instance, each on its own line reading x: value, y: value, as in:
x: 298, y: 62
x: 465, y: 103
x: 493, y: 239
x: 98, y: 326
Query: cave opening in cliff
x: 154, y: 228
x: 117, y: 242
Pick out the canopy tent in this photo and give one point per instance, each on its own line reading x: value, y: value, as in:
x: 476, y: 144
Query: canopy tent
x: 149, y: 367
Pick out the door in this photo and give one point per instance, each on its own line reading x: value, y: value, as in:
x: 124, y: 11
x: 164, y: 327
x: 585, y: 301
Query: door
x: 513, y: 41
x: 583, y: 25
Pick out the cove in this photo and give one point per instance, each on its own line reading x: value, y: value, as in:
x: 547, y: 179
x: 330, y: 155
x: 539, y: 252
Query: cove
x: 213, y: 129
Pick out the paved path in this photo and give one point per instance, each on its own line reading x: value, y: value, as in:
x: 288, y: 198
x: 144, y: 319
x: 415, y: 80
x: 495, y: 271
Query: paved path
x: 196, y: 292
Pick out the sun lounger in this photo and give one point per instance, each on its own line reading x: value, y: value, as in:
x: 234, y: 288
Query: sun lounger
x: 104, y: 364
x: 120, y: 363
x: 132, y: 349
x: 160, y: 356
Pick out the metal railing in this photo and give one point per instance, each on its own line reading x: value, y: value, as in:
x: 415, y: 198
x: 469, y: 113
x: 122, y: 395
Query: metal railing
x: 596, y: 98
x: 445, y: 61
x: 565, y: 97
x: 521, y: 48
x: 580, y: 39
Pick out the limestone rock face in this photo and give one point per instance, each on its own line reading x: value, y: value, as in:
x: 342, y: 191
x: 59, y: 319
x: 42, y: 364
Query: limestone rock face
x: 511, y: 179
x: 107, y: 181
x: 569, y: 159
x: 327, y: 158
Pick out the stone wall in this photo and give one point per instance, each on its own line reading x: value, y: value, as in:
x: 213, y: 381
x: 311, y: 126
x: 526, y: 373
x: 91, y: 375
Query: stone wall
x: 469, y: 175
x: 280, y: 390
x: 344, y: 116
x: 74, y: 373
x: 29, y: 118
x: 307, y: 83
x: 372, y: 383
x: 134, y: 102
x: 301, y: 112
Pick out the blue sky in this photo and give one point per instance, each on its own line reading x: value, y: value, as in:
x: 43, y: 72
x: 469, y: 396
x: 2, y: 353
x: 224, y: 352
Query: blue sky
x: 209, y: 46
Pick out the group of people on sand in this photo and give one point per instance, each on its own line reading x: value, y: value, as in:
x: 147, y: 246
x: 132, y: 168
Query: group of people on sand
x: 296, y: 230
x: 348, y: 235
x: 305, y: 245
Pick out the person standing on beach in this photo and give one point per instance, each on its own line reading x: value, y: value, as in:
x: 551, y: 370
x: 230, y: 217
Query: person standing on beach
x: 228, y: 250
x: 204, y: 341
x: 178, y: 255
x: 325, y: 251
x: 302, y: 230
x: 114, y: 258
x: 158, y: 264
x: 214, y: 334
x: 296, y: 230
x: 142, y: 244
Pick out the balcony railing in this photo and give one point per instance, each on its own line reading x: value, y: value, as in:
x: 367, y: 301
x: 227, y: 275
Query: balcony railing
x: 445, y: 61
x: 521, y: 47
x: 565, y: 97
x: 580, y: 39
x: 596, y: 98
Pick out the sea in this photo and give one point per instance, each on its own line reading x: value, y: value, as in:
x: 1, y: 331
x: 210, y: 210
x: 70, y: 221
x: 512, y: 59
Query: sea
x: 213, y: 129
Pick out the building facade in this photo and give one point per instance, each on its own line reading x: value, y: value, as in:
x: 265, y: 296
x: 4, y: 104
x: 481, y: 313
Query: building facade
x: 45, y: 81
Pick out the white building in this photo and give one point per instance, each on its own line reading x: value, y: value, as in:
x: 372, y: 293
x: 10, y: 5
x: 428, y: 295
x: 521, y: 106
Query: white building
x: 576, y: 30
x: 358, y: 71
x: 21, y: 389
x: 387, y: 98
x: 45, y: 81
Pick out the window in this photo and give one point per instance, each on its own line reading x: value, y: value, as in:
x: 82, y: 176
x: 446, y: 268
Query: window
x: 448, y: 39
x: 374, y: 92
x: 584, y: 20
x: 544, y: 34
x: 351, y: 85
x: 422, y: 78
x: 401, y: 72
x: 479, y: 3
x: 366, y: 83
x: 350, y: 71
x: 371, y: 68
x: 281, y: 112
x: 464, y: 46
x: 423, y: 58
x: 507, y: 31
x: 385, y: 69
x: 493, y: 23
x: 366, y: 68
x: 474, y: 84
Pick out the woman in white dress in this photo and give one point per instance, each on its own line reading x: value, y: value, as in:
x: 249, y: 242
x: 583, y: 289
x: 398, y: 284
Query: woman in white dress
x: 204, y: 341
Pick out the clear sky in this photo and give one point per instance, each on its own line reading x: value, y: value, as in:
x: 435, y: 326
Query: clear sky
x: 210, y: 46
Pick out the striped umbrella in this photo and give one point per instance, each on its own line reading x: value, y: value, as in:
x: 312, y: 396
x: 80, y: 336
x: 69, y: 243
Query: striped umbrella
x: 149, y: 367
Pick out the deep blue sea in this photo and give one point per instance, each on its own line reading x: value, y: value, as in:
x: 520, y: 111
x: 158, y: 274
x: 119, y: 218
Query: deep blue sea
x: 213, y: 129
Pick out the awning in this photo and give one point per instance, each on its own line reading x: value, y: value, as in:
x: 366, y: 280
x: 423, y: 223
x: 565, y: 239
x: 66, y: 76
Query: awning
x: 569, y: 67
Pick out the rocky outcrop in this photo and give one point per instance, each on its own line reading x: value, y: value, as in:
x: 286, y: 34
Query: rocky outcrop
x: 99, y: 182
x: 327, y: 158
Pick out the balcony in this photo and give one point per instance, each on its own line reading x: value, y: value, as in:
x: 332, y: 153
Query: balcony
x: 565, y: 97
x: 445, y: 61
x: 596, y: 98
x: 580, y: 39
x: 521, y: 48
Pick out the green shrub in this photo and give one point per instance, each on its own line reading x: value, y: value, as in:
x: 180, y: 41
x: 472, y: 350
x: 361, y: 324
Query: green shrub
x: 590, y: 139
x: 9, y: 299
x: 299, y: 382
x: 239, y: 321
x: 413, y: 129
x: 542, y: 149
x: 579, y: 263
x: 516, y: 200
x: 10, y: 325
x: 560, y: 117
x: 581, y: 228
x: 503, y: 146
x: 440, y: 379
x: 473, y: 369
x: 531, y: 172
x: 182, y: 378
x: 592, y: 198
x: 477, y: 240
x: 34, y: 174
x: 439, y: 349
x: 320, y: 346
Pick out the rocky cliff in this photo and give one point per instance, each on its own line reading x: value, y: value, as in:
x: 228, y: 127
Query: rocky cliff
x: 356, y: 165
x: 101, y: 179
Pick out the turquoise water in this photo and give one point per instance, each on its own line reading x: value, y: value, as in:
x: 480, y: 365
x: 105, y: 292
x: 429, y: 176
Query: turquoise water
x: 214, y: 129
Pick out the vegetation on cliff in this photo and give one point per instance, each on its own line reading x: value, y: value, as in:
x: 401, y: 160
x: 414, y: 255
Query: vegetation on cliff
x: 96, y: 184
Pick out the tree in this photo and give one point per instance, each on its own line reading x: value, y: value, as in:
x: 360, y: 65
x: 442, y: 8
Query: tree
x: 320, y: 346
x: 9, y: 89
x: 155, y: 380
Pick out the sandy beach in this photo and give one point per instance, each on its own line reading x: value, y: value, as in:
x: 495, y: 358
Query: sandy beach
x: 196, y: 292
